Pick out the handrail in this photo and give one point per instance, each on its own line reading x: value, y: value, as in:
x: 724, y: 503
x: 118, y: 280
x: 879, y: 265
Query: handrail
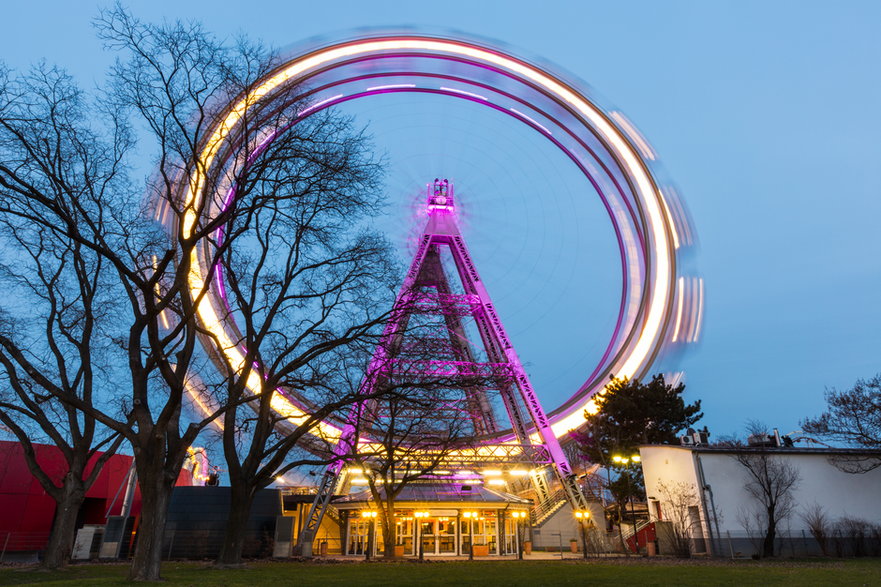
x: 636, y: 528
x: 542, y: 510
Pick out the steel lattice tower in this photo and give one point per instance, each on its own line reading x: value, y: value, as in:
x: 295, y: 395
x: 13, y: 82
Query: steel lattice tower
x: 428, y: 292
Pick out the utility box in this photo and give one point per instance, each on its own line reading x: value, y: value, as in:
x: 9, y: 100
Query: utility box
x: 284, y: 536
x: 87, y: 543
x: 113, y: 542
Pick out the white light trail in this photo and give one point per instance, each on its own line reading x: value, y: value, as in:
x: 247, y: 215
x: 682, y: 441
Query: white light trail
x: 656, y: 218
x: 319, y: 104
x: 464, y: 93
x: 390, y: 87
x: 532, y: 120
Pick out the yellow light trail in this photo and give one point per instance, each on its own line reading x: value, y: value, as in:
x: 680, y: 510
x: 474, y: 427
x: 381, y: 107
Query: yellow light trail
x: 658, y: 226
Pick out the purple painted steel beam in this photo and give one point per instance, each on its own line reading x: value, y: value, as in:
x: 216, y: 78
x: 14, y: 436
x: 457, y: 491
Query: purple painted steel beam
x: 542, y: 425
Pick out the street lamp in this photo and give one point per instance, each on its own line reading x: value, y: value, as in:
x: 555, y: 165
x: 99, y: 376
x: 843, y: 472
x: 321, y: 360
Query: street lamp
x: 371, y: 531
x: 583, y: 517
x: 419, y: 517
x: 517, y: 516
x: 625, y: 461
x: 470, y: 517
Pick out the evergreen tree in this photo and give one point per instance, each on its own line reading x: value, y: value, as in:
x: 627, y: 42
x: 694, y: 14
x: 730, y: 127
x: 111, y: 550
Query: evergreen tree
x: 633, y: 413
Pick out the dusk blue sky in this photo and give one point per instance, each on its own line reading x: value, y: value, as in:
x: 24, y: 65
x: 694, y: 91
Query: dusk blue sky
x: 764, y: 114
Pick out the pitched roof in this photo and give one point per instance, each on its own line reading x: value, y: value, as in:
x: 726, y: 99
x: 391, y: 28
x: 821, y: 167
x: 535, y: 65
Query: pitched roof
x: 795, y: 450
x: 442, y: 492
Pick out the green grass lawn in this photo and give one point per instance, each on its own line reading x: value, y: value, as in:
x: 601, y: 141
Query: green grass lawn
x: 483, y: 573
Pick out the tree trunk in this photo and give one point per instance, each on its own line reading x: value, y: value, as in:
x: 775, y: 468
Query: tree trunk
x: 770, y: 537
x: 388, y: 537
x: 63, y: 532
x: 240, y: 501
x: 155, y: 498
x: 621, y: 530
x: 388, y: 528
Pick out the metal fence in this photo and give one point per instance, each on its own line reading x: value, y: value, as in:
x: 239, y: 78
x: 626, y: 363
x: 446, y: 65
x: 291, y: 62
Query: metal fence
x: 800, y: 543
x: 22, y: 542
x: 205, y: 544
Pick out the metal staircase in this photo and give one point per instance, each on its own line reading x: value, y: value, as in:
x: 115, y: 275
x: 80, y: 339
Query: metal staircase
x: 543, y: 510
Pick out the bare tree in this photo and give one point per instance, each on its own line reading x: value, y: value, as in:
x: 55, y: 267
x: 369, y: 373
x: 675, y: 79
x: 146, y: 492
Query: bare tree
x: 415, y: 417
x: 305, y: 284
x: 770, y: 482
x: 678, y: 500
x: 853, y: 417
x: 52, y: 338
x: 262, y: 445
x: 751, y: 520
x: 413, y: 435
x: 70, y: 180
x: 855, y: 535
x: 819, y: 525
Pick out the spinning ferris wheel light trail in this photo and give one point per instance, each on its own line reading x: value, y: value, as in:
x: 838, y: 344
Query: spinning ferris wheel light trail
x: 660, y: 306
x: 648, y: 222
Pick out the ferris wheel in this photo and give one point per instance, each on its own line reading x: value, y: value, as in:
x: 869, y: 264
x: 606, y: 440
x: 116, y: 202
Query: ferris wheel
x: 660, y: 305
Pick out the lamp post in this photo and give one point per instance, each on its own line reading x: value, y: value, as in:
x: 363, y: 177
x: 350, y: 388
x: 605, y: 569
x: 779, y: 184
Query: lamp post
x: 419, y: 517
x: 625, y: 462
x: 470, y: 517
x: 370, y: 515
x: 583, y: 517
x: 517, y: 516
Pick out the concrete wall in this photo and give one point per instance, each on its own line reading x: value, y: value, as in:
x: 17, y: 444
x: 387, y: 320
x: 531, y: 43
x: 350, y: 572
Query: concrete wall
x: 666, y: 466
x: 838, y: 493
x: 562, y: 525
x: 560, y: 528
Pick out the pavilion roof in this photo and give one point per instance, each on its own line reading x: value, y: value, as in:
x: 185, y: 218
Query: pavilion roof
x: 442, y: 493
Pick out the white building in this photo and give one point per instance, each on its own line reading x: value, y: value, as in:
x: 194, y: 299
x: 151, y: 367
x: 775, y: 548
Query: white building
x: 722, y: 516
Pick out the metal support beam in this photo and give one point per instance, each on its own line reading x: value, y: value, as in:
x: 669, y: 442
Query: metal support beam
x: 426, y: 291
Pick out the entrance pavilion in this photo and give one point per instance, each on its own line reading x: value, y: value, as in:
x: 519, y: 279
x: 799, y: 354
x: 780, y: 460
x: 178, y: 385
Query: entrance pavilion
x: 442, y: 517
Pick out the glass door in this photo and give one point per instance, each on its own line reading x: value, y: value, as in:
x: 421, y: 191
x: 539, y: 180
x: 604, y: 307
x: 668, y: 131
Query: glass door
x: 358, y: 533
x: 511, y: 539
x: 404, y: 528
x: 489, y: 533
x: 485, y: 530
x: 464, y: 535
x: 426, y: 533
x: 438, y: 536
x: 446, y: 536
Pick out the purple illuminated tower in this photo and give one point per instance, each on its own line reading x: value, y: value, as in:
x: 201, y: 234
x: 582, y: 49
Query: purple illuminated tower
x: 459, y: 334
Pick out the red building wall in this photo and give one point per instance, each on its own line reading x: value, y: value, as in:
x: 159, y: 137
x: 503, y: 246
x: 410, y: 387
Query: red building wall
x: 26, y: 510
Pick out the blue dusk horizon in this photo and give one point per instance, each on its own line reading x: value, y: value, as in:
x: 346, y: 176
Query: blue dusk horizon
x: 763, y: 115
